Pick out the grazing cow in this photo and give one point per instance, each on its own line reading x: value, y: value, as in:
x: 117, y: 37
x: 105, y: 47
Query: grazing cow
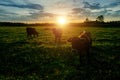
x: 31, y: 32
x: 58, y: 34
x: 82, y: 44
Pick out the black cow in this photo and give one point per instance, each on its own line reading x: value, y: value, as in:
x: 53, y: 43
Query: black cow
x: 31, y: 32
x: 82, y: 44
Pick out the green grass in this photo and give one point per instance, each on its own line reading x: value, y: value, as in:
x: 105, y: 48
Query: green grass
x: 42, y: 59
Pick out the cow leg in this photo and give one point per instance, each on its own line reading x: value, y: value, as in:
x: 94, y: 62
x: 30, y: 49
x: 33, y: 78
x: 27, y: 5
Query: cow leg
x: 88, y: 63
x: 58, y: 40
x: 80, y: 58
x: 84, y: 59
x: 27, y: 35
x: 34, y: 35
x: 30, y: 36
x: 37, y: 34
x: 55, y: 39
x: 88, y: 57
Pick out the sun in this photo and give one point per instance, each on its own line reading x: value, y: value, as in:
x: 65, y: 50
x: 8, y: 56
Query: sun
x: 62, y: 20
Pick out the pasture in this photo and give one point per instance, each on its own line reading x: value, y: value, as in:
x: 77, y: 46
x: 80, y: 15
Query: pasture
x: 41, y: 59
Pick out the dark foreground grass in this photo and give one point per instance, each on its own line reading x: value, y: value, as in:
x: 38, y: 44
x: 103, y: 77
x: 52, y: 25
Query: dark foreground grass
x: 42, y: 59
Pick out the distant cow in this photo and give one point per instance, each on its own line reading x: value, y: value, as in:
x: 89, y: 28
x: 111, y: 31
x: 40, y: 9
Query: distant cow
x: 31, y: 32
x: 58, y: 34
x: 82, y: 44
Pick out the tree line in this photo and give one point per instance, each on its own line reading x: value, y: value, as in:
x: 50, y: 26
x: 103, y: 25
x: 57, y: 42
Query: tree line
x: 99, y: 22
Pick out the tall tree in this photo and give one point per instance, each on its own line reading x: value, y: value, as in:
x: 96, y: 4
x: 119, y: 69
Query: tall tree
x: 86, y: 20
x: 100, y: 18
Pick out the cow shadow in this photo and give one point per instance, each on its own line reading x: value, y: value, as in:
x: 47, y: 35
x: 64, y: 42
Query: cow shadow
x: 104, y: 64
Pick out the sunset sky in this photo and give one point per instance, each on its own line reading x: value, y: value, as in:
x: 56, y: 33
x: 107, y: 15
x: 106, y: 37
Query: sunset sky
x: 49, y: 10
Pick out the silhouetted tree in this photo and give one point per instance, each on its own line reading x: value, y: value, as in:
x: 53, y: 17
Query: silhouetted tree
x: 87, y: 20
x: 100, y: 18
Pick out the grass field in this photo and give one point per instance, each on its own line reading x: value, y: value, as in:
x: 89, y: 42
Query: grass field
x: 41, y: 59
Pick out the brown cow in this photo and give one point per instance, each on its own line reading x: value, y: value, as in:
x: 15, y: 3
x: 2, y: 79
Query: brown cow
x: 31, y: 32
x: 82, y: 44
x: 87, y: 36
x: 58, y: 34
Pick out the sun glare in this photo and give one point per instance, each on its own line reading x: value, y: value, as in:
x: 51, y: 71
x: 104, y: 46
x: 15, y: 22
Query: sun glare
x: 62, y: 20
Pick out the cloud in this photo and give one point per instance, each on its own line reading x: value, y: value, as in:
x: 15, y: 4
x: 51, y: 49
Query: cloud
x: 114, y: 4
x: 42, y: 15
x: 60, y: 4
x: 6, y: 2
x: 48, y: 14
x: 118, y: 11
x: 75, y: 1
x: 115, y: 13
x: 92, y: 6
x: 9, y: 16
x: 99, y: 12
x: 6, y: 13
x: 27, y: 5
x: 81, y: 11
x: 77, y: 10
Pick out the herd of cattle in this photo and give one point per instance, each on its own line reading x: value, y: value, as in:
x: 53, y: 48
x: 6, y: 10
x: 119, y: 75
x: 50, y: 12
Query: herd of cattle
x: 82, y: 43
